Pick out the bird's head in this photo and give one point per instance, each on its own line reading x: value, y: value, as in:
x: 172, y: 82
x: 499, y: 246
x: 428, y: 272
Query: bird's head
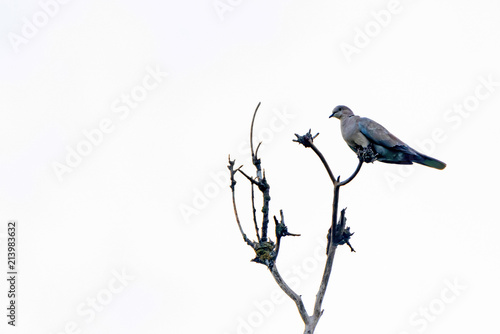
x: 340, y: 111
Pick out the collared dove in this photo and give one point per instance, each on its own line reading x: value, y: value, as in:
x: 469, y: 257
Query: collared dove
x: 371, y: 141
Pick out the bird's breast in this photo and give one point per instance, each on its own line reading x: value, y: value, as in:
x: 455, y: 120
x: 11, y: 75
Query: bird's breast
x: 352, y: 135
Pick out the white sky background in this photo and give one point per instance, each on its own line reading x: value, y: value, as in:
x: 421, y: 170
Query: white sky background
x: 120, y: 207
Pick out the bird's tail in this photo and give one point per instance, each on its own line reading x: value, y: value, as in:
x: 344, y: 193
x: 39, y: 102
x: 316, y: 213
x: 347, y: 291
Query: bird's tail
x: 430, y: 162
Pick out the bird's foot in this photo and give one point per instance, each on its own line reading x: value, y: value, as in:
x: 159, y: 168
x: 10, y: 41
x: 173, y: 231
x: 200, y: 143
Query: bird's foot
x: 367, y: 154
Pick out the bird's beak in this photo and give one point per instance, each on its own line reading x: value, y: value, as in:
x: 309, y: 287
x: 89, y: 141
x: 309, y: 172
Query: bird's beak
x: 332, y: 115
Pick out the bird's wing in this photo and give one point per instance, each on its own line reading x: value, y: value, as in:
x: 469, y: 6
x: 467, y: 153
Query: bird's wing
x: 377, y: 134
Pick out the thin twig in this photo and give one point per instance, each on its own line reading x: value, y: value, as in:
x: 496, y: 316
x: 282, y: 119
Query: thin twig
x: 350, y: 178
x: 266, y: 198
x: 281, y: 231
x: 248, y: 177
x: 307, y: 141
x: 278, y: 237
x: 232, y: 186
x: 253, y: 214
x: 264, y: 188
x: 251, y: 129
x: 261, y: 181
x: 257, y: 149
x: 341, y: 224
x: 255, y: 160
x: 323, y: 160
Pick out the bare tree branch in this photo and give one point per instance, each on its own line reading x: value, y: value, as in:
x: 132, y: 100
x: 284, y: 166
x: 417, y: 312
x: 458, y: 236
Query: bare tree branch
x: 338, y: 234
x: 254, y: 215
x: 255, y: 160
x: 290, y: 293
x: 320, y: 296
x: 251, y: 129
x: 267, y: 251
x: 307, y: 141
x: 257, y: 149
x: 232, y: 186
x: 350, y: 178
x: 281, y: 231
x: 261, y: 181
x: 266, y: 198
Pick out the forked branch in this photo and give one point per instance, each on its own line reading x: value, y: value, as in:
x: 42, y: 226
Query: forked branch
x: 338, y: 234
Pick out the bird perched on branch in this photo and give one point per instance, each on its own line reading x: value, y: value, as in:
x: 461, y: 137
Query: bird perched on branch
x: 372, y: 142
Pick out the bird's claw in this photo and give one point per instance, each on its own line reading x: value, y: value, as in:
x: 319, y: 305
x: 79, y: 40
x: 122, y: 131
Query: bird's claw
x: 367, y: 154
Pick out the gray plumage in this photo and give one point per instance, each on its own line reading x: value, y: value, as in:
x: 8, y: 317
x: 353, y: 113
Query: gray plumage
x: 371, y: 141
